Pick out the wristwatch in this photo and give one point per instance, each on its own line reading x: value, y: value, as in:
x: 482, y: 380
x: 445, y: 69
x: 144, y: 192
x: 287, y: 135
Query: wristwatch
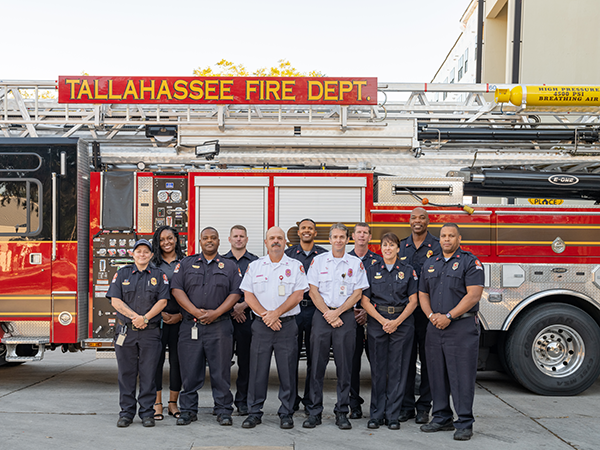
x: 449, y: 316
x: 145, y: 319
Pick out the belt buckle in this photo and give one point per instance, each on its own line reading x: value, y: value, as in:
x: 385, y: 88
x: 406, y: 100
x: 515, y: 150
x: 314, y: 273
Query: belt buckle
x: 391, y: 309
x: 303, y: 303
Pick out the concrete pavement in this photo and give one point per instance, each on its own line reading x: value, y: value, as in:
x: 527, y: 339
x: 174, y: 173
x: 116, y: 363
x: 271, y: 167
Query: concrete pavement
x: 70, y: 401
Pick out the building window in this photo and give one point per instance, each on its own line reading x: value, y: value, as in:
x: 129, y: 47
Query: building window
x: 452, y: 75
x: 445, y: 93
x: 466, y: 59
x: 461, y: 62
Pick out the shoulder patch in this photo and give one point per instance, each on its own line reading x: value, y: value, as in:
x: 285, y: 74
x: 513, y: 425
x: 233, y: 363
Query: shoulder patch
x: 302, y: 267
x: 312, y: 262
x: 478, y: 265
x: 177, y: 268
x: 415, y: 275
x: 165, y: 279
x: 362, y: 267
x: 115, y: 278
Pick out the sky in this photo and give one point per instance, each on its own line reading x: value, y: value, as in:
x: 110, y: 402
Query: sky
x: 395, y: 40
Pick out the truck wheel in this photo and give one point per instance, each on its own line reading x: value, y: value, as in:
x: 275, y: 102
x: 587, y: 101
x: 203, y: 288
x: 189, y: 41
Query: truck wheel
x: 554, y: 349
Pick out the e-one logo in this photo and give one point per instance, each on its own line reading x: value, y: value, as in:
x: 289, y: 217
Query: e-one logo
x: 563, y: 180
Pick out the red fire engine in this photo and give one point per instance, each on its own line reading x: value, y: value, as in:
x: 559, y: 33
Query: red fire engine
x: 80, y: 184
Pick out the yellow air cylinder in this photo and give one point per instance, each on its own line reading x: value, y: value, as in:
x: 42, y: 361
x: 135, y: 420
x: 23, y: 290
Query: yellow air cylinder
x: 549, y: 95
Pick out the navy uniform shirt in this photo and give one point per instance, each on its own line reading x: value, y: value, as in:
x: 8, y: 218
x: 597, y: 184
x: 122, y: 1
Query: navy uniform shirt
x: 446, y: 281
x: 369, y: 259
x: 207, y: 285
x: 242, y: 264
x: 296, y: 252
x: 168, y: 268
x: 391, y: 288
x: 416, y: 257
x: 139, y: 290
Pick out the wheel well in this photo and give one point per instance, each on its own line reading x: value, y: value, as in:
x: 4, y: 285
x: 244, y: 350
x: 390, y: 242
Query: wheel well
x: 592, y: 310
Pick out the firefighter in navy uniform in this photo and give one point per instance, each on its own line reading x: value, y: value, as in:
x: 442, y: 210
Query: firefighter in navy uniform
x: 390, y: 302
x: 305, y: 252
x: 206, y: 286
x: 242, y: 318
x: 361, y: 236
x: 138, y: 292
x: 418, y: 248
x: 449, y: 292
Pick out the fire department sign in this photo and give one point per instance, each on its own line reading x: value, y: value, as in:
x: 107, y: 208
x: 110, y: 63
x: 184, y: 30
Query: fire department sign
x: 218, y: 90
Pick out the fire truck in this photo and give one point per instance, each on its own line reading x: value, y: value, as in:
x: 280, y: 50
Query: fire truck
x: 80, y: 182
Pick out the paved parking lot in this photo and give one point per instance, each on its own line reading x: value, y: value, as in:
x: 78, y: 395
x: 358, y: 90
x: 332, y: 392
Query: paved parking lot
x: 70, y: 401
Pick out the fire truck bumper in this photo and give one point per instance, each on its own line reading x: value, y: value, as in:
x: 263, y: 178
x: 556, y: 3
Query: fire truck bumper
x: 14, y: 353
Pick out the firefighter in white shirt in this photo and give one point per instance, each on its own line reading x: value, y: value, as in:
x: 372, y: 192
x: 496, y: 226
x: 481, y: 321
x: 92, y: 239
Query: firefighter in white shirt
x: 273, y: 287
x: 336, y: 281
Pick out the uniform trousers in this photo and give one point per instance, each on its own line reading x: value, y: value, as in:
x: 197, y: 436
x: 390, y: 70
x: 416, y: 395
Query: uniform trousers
x: 452, y: 362
x: 214, y: 344
x: 242, y: 338
x: 342, y: 339
x: 170, y: 338
x: 265, y: 342
x: 390, y: 358
x: 424, y: 401
x: 304, y: 321
x: 138, y: 357
x: 361, y: 344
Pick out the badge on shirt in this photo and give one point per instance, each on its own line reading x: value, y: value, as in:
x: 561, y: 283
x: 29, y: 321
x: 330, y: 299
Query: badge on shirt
x: 431, y: 269
x: 342, y: 289
x: 115, y: 278
x: 377, y: 275
x: 455, y: 266
x: 361, y: 266
x: 288, y: 273
x: 429, y: 253
x: 400, y: 275
x: 153, y: 281
x: 165, y: 279
x: 281, y: 290
x: 177, y: 267
x: 478, y: 265
x: 403, y: 258
x: 349, y: 272
x: 221, y: 265
x: 415, y: 275
x: 126, y: 283
x: 195, y: 267
x: 302, y: 268
x: 374, y: 261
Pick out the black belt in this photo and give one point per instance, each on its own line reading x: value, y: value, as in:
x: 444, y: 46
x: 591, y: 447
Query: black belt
x: 149, y: 325
x: 222, y: 317
x: 465, y: 315
x: 281, y: 319
x: 391, y: 309
x: 305, y: 303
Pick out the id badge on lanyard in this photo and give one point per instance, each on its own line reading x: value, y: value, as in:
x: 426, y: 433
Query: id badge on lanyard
x: 343, y: 286
x: 195, y: 330
x: 281, y: 288
x: 122, y: 336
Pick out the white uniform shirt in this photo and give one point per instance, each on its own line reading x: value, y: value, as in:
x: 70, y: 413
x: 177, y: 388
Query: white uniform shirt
x: 264, y: 277
x: 337, y: 278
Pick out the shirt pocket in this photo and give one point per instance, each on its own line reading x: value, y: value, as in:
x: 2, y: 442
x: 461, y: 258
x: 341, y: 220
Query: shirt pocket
x: 456, y: 283
x: 221, y: 280
x: 325, y: 281
x: 260, y: 286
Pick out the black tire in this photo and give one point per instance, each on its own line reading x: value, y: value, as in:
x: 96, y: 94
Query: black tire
x: 566, y: 357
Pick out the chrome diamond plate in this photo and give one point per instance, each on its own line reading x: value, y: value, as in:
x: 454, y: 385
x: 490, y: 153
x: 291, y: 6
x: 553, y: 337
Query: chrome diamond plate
x: 578, y: 279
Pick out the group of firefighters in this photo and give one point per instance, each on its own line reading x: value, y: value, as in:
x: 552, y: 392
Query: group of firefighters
x: 420, y: 296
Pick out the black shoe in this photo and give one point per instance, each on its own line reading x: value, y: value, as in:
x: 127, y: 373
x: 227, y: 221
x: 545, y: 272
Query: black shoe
x: 186, y: 418
x: 394, y: 425
x: 148, y: 422
x: 422, y: 417
x: 341, y: 420
x: 463, y: 434
x: 373, y: 424
x: 406, y: 415
x: 124, y: 422
x: 432, y: 427
x: 251, y: 421
x: 286, y: 422
x: 224, y: 419
x: 356, y: 413
x: 242, y: 410
x: 312, y: 421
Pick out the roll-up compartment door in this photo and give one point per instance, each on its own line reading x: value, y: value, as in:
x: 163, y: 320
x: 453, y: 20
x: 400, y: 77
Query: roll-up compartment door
x: 226, y: 201
x: 325, y: 200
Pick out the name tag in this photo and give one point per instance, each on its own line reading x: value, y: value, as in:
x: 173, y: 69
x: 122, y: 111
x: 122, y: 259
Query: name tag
x: 343, y: 289
x: 121, y: 338
x: 281, y: 290
x: 195, y: 332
